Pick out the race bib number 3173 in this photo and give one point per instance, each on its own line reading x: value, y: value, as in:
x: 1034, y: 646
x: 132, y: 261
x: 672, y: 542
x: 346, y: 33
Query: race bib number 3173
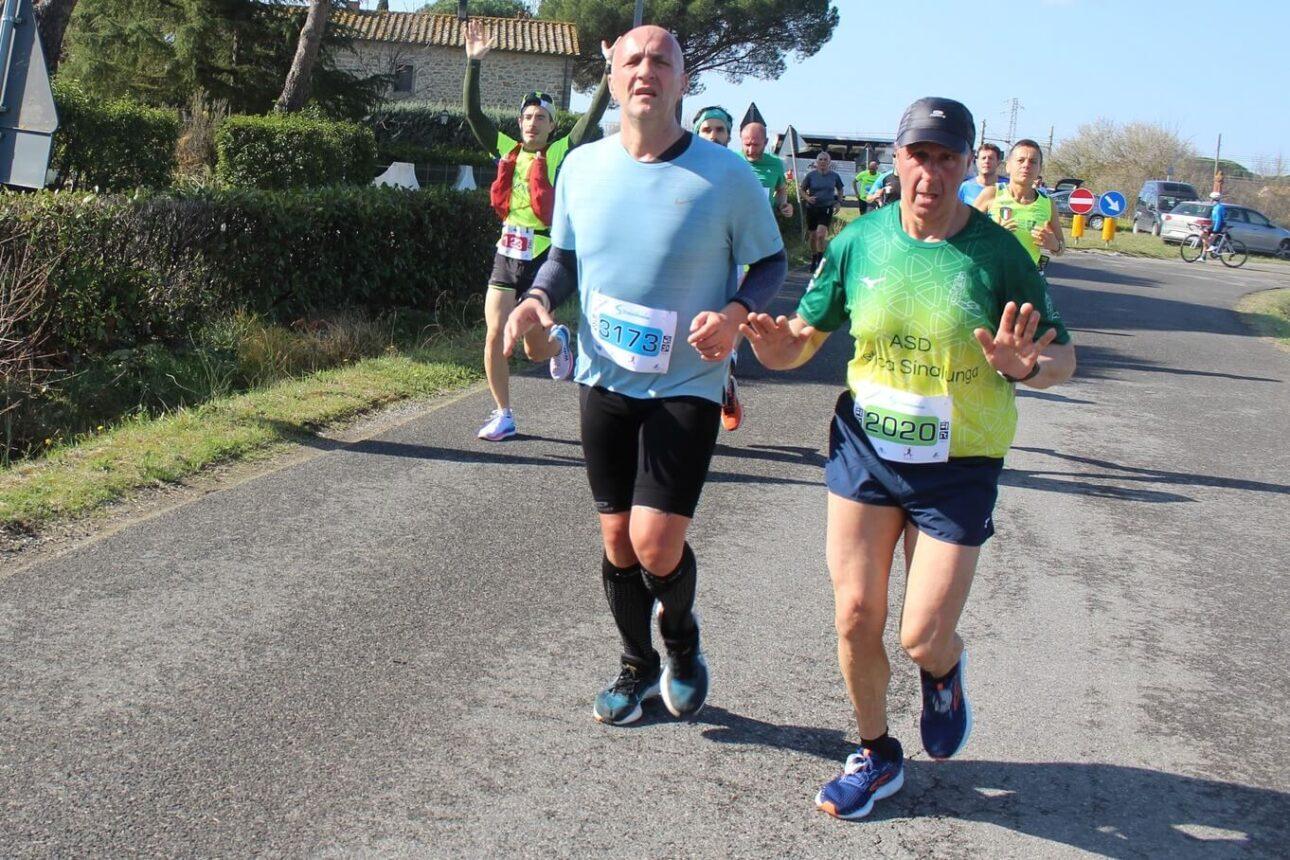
x: 634, y: 337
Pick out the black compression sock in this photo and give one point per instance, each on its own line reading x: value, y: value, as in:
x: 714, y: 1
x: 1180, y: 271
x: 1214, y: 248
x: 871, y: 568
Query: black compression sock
x: 631, y: 605
x: 676, y: 593
x: 884, y: 746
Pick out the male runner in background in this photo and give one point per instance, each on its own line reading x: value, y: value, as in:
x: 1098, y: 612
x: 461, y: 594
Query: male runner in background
x: 522, y: 196
x: 988, y: 157
x: 863, y: 181
x: 822, y: 189
x: 649, y: 402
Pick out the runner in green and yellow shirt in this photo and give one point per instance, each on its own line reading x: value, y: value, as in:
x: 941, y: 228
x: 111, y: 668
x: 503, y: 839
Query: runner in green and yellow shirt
x: 863, y: 182
x: 947, y: 313
x: 1022, y: 209
x: 523, y: 196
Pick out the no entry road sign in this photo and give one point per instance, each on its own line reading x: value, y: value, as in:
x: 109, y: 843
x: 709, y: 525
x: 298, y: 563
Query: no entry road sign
x: 1081, y: 201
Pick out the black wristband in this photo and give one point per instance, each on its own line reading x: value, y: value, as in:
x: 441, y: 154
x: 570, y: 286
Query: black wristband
x: 1034, y: 371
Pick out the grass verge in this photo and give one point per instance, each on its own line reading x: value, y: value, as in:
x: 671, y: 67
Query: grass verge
x: 1268, y: 313
x: 139, y: 453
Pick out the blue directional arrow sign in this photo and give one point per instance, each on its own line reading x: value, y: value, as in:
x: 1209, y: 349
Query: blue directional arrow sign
x: 1111, y: 204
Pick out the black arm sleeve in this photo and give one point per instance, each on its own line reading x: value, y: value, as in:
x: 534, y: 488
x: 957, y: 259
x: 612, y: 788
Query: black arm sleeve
x: 480, y: 124
x: 762, y: 282
x: 558, y: 277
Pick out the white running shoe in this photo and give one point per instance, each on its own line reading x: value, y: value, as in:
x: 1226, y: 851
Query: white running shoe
x: 501, y: 424
x: 562, y: 361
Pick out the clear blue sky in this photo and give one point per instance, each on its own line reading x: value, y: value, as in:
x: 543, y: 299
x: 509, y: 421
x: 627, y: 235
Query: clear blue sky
x: 1066, y: 61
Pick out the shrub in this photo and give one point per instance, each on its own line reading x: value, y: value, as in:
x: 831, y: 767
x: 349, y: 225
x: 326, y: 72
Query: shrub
x: 126, y: 271
x: 111, y: 146
x: 434, y: 124
x: 279, y: 151
x: 446, y: 155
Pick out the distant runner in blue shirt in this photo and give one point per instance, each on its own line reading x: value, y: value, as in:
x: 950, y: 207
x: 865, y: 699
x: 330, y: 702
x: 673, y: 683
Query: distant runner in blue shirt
x: 988, y: 157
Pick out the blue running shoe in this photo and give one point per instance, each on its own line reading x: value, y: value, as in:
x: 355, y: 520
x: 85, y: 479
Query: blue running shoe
x: 620, y: 702
x: 561, y: 365
x: 946, y: 722
x: 865, y: 778
x: 685, y: 681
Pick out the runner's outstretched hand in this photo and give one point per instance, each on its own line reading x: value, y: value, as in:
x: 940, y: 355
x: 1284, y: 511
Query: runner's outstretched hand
x: 608, y: 50
x: 712, y: 333
x: 1014, y: 350
x: 527, y: 314
x: 777, y: 341
x: 478, y: 42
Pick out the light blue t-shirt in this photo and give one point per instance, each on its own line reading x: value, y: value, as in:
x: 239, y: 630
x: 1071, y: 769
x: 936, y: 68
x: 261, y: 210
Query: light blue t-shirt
x: 970, y: 190
x: 656, y: 243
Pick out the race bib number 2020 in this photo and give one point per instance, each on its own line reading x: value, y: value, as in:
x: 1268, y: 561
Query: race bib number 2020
x: 905, y: 427
x: 632, y: 336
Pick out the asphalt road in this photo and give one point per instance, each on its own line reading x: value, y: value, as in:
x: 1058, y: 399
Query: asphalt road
x: 391, y: 648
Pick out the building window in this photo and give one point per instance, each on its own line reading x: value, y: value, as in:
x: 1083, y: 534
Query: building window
x: 403, y: 77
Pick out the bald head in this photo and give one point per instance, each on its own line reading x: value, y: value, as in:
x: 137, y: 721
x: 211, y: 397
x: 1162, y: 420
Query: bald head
x: 753, y: 139
x: 648, y: 75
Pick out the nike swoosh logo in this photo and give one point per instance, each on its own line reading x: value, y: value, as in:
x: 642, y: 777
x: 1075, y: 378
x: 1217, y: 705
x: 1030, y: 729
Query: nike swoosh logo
x: 870, y: 283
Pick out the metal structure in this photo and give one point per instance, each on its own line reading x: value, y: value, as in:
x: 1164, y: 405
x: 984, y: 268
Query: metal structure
x: 28, y: 118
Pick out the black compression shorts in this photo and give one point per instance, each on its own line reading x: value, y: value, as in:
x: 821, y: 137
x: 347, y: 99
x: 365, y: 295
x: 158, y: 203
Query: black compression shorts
x: 512, y: 274
x: 648, y: 452
x: 818, y: 216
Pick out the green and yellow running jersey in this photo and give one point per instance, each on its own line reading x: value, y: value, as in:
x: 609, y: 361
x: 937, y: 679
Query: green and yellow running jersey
x: 913, y: 307
x: 521, y: 213
x: 1028, y: 216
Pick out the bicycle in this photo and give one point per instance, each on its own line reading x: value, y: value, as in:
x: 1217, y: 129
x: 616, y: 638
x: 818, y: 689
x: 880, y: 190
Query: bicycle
x: 1231, y: 252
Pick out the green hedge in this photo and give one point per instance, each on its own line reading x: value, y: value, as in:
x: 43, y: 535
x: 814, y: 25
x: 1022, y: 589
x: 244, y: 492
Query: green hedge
x: 111, y: 146
x: 449, y: 155
x: 281, y: 151
x: 434, y: 124
x: 129, y: 271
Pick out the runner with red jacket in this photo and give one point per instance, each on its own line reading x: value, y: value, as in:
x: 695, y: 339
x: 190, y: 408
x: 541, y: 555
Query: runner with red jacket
x: 523, y: 196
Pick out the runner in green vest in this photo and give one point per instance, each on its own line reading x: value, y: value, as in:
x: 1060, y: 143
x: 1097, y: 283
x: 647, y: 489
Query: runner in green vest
x: 1019, y: 207
x: 862, y: 183
x: 523, y: 196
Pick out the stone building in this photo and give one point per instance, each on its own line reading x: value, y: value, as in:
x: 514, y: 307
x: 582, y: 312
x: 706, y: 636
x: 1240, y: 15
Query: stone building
x: 427, y: 55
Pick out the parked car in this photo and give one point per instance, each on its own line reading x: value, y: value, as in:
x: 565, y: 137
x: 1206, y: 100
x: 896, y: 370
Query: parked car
x: 1062, y: 201
x: 1249, y: 225
x: 1156, y: 198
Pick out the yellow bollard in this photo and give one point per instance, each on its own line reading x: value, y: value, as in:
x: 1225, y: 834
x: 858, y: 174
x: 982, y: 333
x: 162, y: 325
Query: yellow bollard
x: 1077, y: 227
x: 1108, y: 230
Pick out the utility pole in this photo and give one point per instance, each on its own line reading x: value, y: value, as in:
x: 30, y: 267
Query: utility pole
x: 982, y: 131
x: 640, y: 14
x: 1049, y: 153
x: 1014, y: 107
x: 1217, y: 149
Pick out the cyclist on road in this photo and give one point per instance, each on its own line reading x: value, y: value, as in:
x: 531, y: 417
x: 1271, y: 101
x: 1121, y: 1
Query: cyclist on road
x: 948, y: 316
x: 822, y: 189
x: 1217, y: 223
x: 661, y: 306
x: 522, y: 196
x: 1019, y: 207
x: 988, y: 157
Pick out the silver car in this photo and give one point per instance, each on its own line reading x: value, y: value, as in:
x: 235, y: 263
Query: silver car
x: 1248, y: 225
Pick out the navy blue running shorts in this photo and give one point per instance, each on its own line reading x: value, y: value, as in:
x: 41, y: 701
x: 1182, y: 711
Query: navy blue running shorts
x: 952, y: 501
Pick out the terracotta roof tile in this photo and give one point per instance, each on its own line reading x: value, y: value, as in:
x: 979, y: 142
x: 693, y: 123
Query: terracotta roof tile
x: 525, y: 35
